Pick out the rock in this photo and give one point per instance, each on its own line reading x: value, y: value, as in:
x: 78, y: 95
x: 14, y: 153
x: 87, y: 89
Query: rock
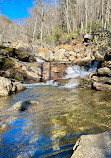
x: 98, y: 56
x: 87, y: 37
x: 23, y: 105
x: 102, y: 79
x: 106, y: 64
x: 23, y: 56
x: 5, y: 86
x: 73, y: 54
x: 21, y: 44
x: 101, y: 86
x: 84, y: 61
x: 60, y: 54
x: 45, y: 53
x: 66, y: 47
x: 104, y: 71
x: 107, y: 56
x: 4, y: 52
x: 19, y: 86
x: 93, y: 146
x: 5, y: 63
x: 72, y: 58
x: 8, y: 86
x: 15, y: 53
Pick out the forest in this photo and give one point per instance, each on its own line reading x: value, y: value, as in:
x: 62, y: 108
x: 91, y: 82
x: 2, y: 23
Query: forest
x: 56, y: 22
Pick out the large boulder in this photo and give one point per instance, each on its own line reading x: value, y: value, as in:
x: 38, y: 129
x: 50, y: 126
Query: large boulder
x: 8, y: 86
x: 84, y: 61
x: 101, y: 86
x: 107, y: 56
x: 93, y: 146
x: 102, y: 79
x: 5, y: 86
x: 45, y: 53
x: 15, y: 53
x: 105, y: 71
x: 98, y: 55
x: 60, y: 54
x: 66, y: 47
x: 18, y: 86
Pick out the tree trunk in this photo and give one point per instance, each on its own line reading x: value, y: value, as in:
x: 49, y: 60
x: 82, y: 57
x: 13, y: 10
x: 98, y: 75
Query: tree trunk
x: 33, y: 37
x: 41, y: 33
x: 67, y: 17
x: 102, y: 14
x: 86, y: 13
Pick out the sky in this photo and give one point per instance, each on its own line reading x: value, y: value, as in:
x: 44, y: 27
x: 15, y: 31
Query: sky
x: 15, y: 9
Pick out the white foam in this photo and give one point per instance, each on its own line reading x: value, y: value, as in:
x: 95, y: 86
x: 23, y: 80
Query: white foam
x: 31, y: 85
x: 39, y: 60
x: 51, y: 83
x: 76, y: 72
x: 48, y: 83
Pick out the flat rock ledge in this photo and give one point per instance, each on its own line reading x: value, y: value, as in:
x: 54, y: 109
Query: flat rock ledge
x: 93, y: 146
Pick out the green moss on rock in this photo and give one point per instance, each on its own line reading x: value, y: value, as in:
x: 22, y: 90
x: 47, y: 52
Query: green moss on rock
x: 9, y: 49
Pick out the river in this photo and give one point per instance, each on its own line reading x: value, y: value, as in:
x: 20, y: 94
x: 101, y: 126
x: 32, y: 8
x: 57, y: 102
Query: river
x: 50, y: 129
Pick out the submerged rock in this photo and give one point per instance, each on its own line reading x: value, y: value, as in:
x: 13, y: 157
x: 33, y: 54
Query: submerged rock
x: 93, y: 146
x: 23, y: 105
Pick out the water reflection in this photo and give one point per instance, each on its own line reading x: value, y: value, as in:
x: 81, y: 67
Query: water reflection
x: 51, y: 128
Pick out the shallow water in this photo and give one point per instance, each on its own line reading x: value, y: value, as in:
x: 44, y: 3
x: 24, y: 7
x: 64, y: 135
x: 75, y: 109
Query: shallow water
x: 52, y: 128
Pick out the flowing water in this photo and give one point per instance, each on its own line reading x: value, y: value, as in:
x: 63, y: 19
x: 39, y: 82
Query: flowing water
x: 50, y: 129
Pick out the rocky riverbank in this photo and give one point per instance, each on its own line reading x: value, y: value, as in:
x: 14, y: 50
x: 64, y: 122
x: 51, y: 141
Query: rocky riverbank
x: 53, y: 62
x: 101, y: 80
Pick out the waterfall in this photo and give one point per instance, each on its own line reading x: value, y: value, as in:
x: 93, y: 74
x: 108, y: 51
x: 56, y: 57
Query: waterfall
x: 74, y: 73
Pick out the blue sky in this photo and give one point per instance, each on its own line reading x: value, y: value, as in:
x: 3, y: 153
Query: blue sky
x: 15, y: 9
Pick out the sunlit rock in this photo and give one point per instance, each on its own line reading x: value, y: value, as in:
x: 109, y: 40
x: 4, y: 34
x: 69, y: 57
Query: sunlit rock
x: 93, y: 146
x: 104, y: 71
x: 101, y: 86
x: 8, y: 86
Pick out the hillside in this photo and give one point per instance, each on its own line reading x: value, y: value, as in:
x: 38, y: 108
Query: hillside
x: 10, y: 31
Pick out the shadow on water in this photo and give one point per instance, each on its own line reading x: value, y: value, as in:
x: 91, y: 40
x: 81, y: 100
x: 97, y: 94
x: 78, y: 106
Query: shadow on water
x: 51, y: 128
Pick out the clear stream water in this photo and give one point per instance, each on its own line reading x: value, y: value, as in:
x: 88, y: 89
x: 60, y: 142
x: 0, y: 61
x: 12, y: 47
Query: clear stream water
x: 50, y: 129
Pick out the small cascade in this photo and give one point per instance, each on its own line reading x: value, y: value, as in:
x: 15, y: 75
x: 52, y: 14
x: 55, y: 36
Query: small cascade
x: 93, y: 65
x: 39, y: 60
x: 51, y: 83
x: 74, y: 73
x: 48, y: 83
